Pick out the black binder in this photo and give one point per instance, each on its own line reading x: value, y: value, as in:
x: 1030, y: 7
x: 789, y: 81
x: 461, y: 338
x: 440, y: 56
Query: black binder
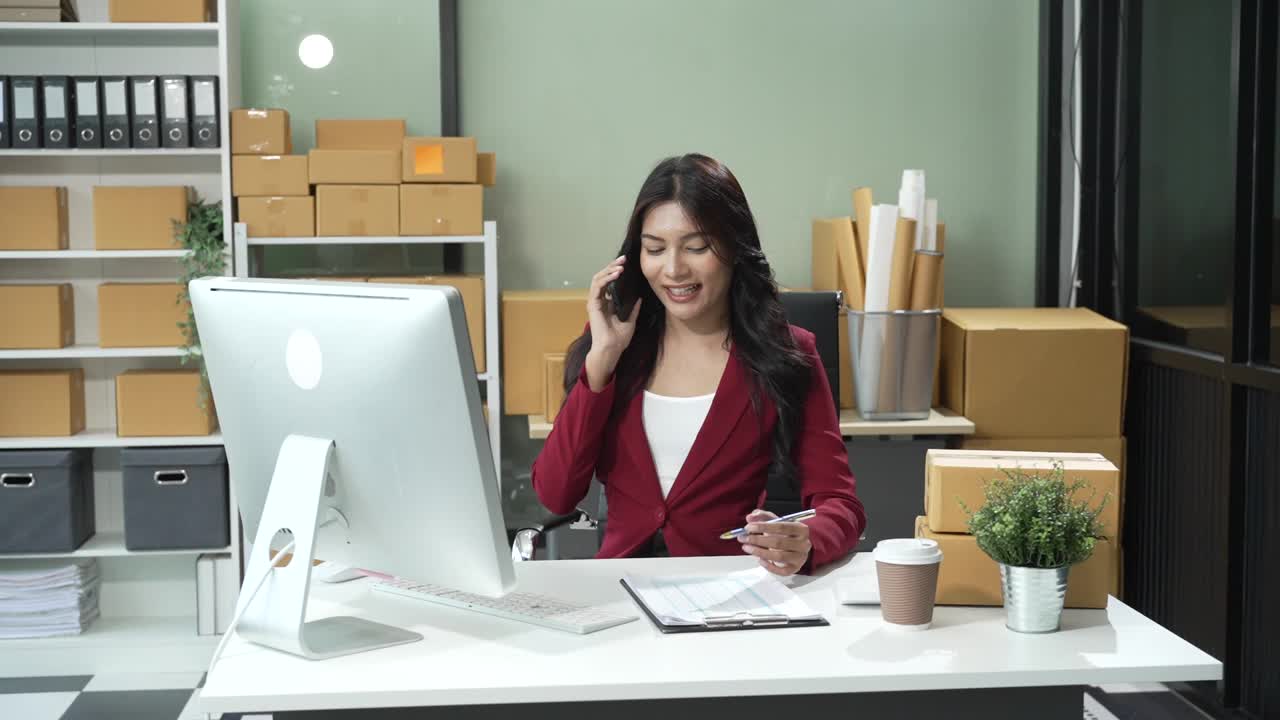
x: 88, y: 93
x: 57, y: 111
x: 204, y: 112
x: 728, y: 622
x: 143, y: 115
x: 115, y: 113
x: 176, y: 125
x: 6, y: 101
x: 26, y: 112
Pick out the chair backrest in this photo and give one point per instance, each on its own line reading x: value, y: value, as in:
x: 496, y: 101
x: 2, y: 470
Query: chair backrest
x: 819, y: 313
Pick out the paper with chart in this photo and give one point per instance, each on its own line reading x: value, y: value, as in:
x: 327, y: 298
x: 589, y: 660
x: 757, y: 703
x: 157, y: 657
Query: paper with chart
x: 744, y: 595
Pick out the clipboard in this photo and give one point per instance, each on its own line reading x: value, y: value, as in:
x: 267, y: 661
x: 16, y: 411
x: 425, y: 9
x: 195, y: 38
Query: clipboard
x: 719, y: 623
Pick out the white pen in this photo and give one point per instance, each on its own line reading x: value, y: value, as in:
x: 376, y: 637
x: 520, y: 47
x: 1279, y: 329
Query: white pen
x: 793, y: 517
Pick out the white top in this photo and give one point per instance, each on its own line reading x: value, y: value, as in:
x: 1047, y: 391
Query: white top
x: 671, y: 424
x: 468, y: 658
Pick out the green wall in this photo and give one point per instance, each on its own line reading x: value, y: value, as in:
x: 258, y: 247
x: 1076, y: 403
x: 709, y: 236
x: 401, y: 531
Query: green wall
x: 803, y: 101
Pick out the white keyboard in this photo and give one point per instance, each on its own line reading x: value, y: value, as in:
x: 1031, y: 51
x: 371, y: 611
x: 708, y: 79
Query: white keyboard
x: 522, y: 607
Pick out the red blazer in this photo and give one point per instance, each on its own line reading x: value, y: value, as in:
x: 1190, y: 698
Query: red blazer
x: 722, y: 479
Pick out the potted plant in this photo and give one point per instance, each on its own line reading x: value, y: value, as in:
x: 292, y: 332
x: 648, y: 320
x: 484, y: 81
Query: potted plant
x: 201, y: 235
x: 1033, y: 526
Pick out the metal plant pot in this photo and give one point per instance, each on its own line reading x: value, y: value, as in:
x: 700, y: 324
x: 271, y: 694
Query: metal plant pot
x: 1033, y: 597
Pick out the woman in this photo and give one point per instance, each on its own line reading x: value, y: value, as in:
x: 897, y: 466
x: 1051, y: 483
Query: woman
x: 686, y: 403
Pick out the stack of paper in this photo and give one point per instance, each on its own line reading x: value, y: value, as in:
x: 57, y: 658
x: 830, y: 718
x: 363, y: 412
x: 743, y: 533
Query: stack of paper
x: 49, y: 600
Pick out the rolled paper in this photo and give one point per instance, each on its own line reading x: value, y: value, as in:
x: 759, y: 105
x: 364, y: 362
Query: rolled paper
x: 862, y: 214
x: 924, y: 280
x: 900, y: 270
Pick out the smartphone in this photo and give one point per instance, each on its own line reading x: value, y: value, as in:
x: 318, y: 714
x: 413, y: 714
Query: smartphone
x: 623, y: 292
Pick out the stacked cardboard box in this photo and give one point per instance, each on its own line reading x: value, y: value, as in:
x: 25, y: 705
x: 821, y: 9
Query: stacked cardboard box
x: 370, y: 180
x: 272, y: 187
x: 138, y: 218
x: 956, y: 480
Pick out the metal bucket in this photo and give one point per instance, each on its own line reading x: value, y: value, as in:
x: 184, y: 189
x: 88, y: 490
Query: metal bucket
x: 894, y: 354
x: 1033, y: 597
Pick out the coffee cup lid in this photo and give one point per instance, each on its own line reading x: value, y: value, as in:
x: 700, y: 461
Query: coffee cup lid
x: 908, y: 551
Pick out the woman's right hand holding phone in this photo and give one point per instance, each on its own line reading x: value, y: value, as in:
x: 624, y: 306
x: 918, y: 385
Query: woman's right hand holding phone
x: 610, y: 335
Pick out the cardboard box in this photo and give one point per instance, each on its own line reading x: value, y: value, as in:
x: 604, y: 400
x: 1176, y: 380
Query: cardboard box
x: 260, y: 131
x: 553, y: 384
x: 41, y: 403
x: 1203, y: 327
x: 441, y: 210
x: 36, y: 317
x: 138, y: 218
x: 487, y: 169
x: 534, y: 323
x: 140, y: 315
x: 439, y: 160
x: 357, y: 210
x: 160, y: 11
x: 968, y: 576
x: 260, y: 175
x: 361, y: 135
x: 35, y: 218
x: 279, y: 216
x: 471, y: 288
x: 1035, y: 372
x: 355, y: 167
x: 956, y: 477
x: 161, y: 403
x: 1112, y: 448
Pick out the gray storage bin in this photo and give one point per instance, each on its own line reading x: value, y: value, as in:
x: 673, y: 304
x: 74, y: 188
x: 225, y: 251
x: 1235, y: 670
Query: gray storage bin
x: 46, y: 500
x: 175, y: 498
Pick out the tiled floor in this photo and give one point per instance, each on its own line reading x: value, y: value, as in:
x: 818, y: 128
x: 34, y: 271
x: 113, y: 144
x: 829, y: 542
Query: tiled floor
x: 168, y: 696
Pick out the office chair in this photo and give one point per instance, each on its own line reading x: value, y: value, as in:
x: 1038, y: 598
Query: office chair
x: 817, y: 312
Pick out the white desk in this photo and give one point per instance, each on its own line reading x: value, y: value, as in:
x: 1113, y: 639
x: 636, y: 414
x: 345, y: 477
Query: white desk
x: 468, y: 659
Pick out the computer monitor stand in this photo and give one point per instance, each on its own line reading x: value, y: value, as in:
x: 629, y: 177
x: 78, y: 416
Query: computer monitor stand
x: 276, y: 615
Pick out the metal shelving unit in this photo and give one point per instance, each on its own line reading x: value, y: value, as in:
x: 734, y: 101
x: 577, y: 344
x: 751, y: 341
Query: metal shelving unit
x: 148, y: 599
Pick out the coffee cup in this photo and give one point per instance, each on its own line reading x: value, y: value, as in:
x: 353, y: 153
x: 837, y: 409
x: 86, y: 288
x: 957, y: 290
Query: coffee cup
x: 907, y: 572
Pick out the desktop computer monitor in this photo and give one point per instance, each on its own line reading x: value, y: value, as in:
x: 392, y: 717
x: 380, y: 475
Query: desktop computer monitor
x: 352, y: 422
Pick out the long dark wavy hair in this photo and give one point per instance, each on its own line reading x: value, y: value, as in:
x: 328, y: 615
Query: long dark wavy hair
x: 712, y: 198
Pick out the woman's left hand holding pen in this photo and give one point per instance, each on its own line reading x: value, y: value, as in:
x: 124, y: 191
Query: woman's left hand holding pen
x: 781, y: 547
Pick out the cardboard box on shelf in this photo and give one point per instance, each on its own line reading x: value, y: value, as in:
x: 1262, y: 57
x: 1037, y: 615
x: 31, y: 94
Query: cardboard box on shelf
x: 161, y: 403
x: 260, y: 131
x: 954, y: 479
x: 471, y: 288
x: 357, y: 210
x: 36, y: 317
x: 41, y: 403
x: 140, y: 315
x: 439, y: 160
x: 35, y: 218
x: 361, y: 135
x: 553, y: 384
x: 138, y: 218
x: 1035, y: 372
x: 534, y: 323
x: 259, y: 175
x: 354, y: 167
x: 487, y: 169
x: 968, y: 576
x: 278, y: 216
x: 441, y: 210
x: 161, y: 11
